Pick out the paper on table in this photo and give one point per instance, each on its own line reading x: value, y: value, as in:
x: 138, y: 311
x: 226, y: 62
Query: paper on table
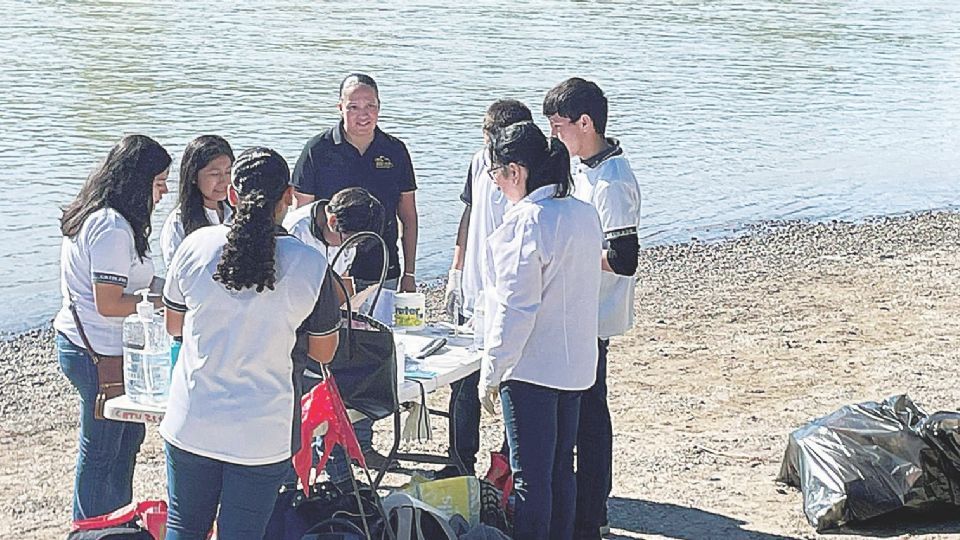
x: 360, y: 298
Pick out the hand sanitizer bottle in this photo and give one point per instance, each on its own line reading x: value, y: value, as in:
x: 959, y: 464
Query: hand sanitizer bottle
x: 146, y: 354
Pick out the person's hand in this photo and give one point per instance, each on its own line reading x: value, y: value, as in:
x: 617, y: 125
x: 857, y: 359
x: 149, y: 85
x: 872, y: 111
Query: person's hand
x: 488, y: 399
x: 453, y: 298
x: 408, y: 283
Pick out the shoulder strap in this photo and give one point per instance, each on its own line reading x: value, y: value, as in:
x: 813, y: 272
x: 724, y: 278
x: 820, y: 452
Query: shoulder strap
x: 83, y: 335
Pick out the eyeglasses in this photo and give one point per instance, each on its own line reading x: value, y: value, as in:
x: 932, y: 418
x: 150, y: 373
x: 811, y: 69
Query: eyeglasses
x: 492, y: 170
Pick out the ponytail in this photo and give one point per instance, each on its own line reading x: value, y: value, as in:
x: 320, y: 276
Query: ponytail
x: 260, y: 178
x: 546, y: 160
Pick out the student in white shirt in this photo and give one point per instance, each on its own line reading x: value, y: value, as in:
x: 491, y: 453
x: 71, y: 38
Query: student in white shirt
x: 483, y: 210
x: 104, y: 259
x: 201, y: 199
x: 577, y: 111
x: 541, y: 290
x: 326, y: 224
x: 237, y: 294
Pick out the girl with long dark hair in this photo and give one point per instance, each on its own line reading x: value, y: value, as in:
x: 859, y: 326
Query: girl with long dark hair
x: 541, y: 290
x: 104, y: 259
x: 237, y: 294
x: 201, y: 198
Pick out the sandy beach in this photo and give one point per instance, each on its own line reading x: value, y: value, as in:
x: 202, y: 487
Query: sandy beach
x: 736, y: 344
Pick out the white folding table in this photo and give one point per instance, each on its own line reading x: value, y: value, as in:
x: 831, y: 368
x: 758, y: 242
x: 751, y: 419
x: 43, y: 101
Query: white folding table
x: 422, y: 376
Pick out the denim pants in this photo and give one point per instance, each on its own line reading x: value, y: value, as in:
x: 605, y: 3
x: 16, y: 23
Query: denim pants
x: 541, y: 426
x: 594, y: 453
x: 107, y: 449
x: 464, y: 413
x: 196, y: 485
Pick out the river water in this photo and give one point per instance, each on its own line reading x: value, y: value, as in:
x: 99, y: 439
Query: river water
x: 732, y: 112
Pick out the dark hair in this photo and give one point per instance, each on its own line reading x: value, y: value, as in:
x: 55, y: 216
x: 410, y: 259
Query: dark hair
x: 504, y: 112
x: 355, y: 79
x: 546, y: 160
x: 197, y: 155
x: 260, y: 176
x: 357, y: 211
x: 576, y: 97
x: 123, y: 182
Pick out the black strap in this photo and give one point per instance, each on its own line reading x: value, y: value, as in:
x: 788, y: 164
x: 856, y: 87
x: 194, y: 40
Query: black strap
x: 83, y: 335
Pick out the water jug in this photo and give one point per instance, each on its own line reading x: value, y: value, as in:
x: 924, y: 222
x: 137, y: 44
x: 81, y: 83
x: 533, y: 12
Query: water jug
x: 146, y: 354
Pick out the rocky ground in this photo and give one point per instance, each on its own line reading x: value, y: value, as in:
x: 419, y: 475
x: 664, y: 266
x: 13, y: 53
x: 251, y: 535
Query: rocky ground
x: 737, y: 343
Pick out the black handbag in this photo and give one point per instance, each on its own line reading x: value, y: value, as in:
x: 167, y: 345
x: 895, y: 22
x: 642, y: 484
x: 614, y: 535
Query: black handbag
x: 365, y: 364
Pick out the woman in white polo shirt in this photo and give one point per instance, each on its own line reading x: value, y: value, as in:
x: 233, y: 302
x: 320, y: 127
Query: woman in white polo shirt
x: 201, y: 198
x: 105, y: 258
x: 541, y: 289
x: 237, y: 294
x: 326, y: 224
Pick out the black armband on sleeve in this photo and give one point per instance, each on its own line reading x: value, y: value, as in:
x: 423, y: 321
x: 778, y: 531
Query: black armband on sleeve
x: 623, y: 252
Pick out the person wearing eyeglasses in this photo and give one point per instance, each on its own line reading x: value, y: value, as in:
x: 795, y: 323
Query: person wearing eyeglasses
x: 541, y: 294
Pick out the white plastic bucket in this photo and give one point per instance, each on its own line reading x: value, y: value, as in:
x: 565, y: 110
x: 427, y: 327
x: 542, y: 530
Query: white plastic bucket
x: 410, y: 311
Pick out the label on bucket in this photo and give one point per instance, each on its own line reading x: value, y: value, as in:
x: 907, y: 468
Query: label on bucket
x: 409, y: 310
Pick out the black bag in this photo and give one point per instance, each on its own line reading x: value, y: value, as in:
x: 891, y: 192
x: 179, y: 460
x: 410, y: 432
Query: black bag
x: 365, y: 364
x: 130, y: 531
x: 869, y: 459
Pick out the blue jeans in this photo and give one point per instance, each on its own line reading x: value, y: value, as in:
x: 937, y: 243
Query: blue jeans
x: 196, y: 485
x: 107, y: 449
x: 464, y: 413
x: 594, y: 453
x: 541, y: 426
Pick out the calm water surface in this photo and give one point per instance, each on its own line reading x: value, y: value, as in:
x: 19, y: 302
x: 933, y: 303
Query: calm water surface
x: 731, y: 111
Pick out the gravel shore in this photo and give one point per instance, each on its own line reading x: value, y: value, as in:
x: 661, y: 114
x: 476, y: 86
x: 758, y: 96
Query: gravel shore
x: 736, y: 344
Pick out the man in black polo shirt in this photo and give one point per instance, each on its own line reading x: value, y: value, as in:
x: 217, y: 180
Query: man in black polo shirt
x: 356, y: 153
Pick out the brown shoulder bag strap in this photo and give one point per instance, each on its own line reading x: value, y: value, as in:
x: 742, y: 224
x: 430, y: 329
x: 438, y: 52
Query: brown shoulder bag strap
x: 83, y: 335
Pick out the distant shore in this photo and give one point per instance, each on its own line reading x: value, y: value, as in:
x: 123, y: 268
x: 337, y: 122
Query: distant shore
x: 737, y: 343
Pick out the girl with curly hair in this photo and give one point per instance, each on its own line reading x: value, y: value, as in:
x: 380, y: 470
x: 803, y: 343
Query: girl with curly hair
x: 237, y: 295
x: 201, y: 198
x: 105, y: 258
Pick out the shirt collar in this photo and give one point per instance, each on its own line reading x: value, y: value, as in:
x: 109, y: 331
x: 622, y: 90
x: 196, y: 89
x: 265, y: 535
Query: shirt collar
x: 596, y: 159
x: 339, y: 137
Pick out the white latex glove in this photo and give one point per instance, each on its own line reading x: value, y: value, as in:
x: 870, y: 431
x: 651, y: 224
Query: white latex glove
x: 453, y: 297
x: 488, y: 399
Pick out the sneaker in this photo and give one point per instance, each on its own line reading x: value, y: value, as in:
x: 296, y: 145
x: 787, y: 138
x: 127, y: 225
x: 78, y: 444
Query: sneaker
x: 376, y: 460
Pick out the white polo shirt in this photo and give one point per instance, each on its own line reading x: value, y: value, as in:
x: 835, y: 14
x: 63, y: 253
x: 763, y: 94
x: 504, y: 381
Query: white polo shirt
x: 233, y: 395
x: 172, y: 234
x: 607, y: 182
x: 541, y: 287
x: 102, y: 252
x: 300, y: 224
x: 487, y: 206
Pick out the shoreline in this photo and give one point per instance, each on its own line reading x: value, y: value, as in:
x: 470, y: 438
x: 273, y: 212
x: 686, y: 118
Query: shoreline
x: 706, y: 238
x: 737, y: 342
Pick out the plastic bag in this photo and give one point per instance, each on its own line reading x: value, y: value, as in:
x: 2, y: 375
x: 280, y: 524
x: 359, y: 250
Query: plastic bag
x: 457, y: 495
x: 869, y: 459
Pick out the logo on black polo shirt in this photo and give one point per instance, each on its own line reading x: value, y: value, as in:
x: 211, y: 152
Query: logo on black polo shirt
x: 382, y: 162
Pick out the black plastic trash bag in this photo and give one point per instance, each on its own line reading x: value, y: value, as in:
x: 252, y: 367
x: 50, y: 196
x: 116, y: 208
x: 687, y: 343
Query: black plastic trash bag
x: 871, y: 458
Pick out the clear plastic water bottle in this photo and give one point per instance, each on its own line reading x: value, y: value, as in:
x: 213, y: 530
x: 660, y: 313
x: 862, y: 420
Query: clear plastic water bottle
x: 479, y: 310
x: 146, y: 355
